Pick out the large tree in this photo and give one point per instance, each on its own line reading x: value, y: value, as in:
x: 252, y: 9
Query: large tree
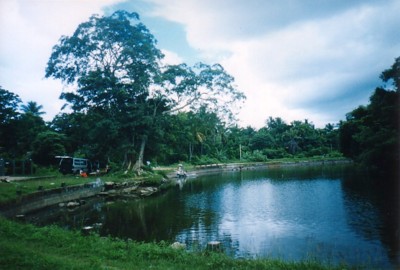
x: 9, y: 103
x: 115, y: 70
x: 370, y: 134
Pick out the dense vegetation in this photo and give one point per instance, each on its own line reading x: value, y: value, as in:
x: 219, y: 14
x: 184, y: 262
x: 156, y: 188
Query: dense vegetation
x: 370, y: 134
x: 127, y: 107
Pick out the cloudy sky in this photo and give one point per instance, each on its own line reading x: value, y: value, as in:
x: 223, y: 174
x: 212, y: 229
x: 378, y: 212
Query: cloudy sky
x: 294, y: 59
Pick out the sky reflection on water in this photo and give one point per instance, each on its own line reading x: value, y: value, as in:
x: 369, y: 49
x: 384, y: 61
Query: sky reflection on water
x: 328, y: 213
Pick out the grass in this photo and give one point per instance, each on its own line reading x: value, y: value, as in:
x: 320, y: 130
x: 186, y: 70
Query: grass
x: 12, y: 190
x: 24, y: 246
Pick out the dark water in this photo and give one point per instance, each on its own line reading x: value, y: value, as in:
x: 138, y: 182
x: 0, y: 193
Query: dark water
x: 332, y: 214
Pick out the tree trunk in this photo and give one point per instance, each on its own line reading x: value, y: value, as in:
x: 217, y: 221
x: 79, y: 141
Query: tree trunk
x: 128, y: 157
x: 190, y: 152
x: 139, y: 162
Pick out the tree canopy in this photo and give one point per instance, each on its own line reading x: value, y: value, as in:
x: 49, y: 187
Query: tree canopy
x: 370, y: 134
x: 117, y: 74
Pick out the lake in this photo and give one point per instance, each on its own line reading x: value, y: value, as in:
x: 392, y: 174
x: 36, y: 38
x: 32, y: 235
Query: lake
x: 329, y: 213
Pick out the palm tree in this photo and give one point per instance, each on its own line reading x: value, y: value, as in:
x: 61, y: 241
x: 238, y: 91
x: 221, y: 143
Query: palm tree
x: 32, y: 108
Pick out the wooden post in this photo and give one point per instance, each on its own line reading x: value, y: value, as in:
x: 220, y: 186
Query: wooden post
x: 214, y: 246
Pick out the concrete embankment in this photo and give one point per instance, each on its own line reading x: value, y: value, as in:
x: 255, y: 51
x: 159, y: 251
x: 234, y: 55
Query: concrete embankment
x: 41, y: 199
x: 45, y: 198
x: 215, y: 168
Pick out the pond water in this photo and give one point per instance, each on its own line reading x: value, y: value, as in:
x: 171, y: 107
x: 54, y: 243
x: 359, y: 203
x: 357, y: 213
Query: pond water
x: 328, y: 213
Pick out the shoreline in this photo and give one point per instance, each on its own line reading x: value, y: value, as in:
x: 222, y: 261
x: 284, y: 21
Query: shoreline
x: 42, y: 199
x: 223, y: 167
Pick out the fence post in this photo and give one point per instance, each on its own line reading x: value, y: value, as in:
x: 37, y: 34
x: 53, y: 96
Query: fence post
x: 23, y: 167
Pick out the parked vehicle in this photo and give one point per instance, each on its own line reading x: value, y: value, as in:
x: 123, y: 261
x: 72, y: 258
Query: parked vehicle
x: 73, y: 165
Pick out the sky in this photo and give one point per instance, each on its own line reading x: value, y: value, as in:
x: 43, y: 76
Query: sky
x: 294, y: 59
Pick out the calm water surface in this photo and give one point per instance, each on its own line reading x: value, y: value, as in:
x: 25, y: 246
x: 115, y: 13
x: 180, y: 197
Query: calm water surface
x: 328, y: 213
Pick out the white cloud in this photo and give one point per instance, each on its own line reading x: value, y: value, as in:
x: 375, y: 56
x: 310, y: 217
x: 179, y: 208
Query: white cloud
x: 294, y: 60
x: 171, y: 58
x: 28, y: 31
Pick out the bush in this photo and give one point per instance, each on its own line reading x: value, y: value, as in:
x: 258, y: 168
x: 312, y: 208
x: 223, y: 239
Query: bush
x: 274, y: 153
x: 204, y: 160
x: 255, y: 156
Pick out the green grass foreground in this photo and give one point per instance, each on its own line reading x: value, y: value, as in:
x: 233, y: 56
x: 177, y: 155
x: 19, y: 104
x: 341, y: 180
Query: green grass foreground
x: 24, y: 246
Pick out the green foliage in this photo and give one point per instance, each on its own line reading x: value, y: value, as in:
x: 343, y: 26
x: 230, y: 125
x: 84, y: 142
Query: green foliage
x: 255, y: 156
x: 274, y: 153
x: 18, y: 130
x: 204, y: 160
x: 9, y: 103
x: 370, y: 134
x: 47, y: 145
x: 123, y: 93
x: 32, y: 108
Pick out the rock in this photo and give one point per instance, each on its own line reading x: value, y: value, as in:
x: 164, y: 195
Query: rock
x: 73, y: 204
x: 130, y: 189
x: 178, y: 245
x: 147, y: 191
x: 5, y: 180
x: 109, y: 185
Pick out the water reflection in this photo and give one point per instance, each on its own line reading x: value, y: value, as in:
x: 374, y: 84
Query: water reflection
x: 329, y: 213
x: 372, y: 204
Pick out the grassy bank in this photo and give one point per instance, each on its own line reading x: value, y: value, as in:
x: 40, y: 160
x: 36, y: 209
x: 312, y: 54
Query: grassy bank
x: 11, y: 190
x: 24, y: 246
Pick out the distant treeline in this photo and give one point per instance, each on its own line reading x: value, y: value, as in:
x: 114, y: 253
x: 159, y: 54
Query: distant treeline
x: 369, y: 135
